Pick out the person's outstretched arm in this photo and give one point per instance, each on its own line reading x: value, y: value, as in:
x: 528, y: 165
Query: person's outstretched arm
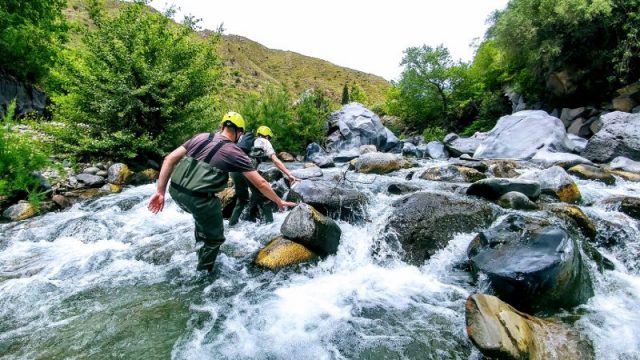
x: 283, y: 168
x: 261, y: 184
x: 156, y: 203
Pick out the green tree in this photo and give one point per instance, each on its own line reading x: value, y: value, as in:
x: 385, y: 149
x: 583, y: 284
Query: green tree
x: 358, y: 94
x: 20, y: 156
x: 31, y: 34
x: 138, y: 86
x: 345, y: 95
x: 595, y: 44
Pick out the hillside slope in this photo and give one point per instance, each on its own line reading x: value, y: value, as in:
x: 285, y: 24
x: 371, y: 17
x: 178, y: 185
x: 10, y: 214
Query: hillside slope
x: 251, y: 66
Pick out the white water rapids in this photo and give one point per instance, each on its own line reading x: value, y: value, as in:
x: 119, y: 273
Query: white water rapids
x: 108, y: 279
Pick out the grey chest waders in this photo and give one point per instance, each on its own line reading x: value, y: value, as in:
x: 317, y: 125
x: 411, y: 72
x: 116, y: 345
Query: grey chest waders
x: 194, y: 184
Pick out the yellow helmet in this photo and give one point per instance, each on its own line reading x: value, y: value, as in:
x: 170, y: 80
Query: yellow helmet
x: 234, y: 118
x: 264, y: 131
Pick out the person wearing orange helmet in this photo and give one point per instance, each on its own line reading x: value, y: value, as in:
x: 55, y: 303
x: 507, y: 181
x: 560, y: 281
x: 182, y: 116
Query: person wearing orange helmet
x: 199, y: 169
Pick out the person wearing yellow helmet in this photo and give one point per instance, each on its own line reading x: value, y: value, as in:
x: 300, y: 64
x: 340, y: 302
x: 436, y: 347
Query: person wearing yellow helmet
x: 199, y: 169
x: 262, y: 150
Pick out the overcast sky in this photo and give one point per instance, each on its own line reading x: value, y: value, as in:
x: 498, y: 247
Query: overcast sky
x: 369, y: 36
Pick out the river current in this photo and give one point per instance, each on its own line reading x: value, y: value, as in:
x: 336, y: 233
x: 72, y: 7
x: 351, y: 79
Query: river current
x: 108, y: 279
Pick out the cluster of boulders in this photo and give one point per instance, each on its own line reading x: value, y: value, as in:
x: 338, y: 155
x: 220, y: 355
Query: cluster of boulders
x: 63, y: 186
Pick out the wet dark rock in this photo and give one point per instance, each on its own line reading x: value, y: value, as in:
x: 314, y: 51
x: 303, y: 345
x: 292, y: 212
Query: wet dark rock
x: 517, y: 201
x: 458, y: 146
x: 269, y: 172
x: 424, y: 222
x: 575, y: 215
x: 400, y: 188
x: 28, y: 98
x: 631, y: 207
x: 531, y: 264
x: 306, y: 226
x: 337, y: 200
x: 481, y: 166
x: 90, y: 180
x: 493, y: 188
x: 501, y: 332
x: 62, y: 201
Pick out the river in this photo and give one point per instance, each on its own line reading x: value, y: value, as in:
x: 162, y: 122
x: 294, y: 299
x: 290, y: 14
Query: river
x: 108, y: 279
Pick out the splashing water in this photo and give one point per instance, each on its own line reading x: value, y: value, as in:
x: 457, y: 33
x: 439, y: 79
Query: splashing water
x: 109, y: 279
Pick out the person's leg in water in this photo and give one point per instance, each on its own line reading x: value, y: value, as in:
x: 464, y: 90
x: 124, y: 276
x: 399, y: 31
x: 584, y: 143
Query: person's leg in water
x: 259, y: 201
x: 207, y: 214
x: 242, y: 193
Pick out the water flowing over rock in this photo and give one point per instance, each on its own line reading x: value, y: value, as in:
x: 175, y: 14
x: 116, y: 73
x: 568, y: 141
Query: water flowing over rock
x: 338, y: 201
x: 619, y: 136
x: 424, y: 222
x: 625, y: 164
x: 306, y: 226
x: 532, y: 264
x: 521, y: 135
x: 502, y: 332
x: 493, y: 188
x: 401, y: 188
x: 355, y: 126
x: 281, y: 252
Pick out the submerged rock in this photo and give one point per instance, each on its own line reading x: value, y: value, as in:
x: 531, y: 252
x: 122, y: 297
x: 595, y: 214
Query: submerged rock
x: 281, y: 252
x: 502, y: 332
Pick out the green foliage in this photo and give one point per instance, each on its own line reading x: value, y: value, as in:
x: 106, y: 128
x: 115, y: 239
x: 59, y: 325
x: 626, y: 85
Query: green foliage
x: 20, y: 157
x: 594, y: 43
x: 138, y: 86
x: 358, y: 95
x: 345, y: 95
x: 294, y: 125
x: 31, y: 33
x: 434, y: 134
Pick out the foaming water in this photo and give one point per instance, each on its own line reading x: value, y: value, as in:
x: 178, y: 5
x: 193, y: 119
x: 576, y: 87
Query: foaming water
x: 109, y: 279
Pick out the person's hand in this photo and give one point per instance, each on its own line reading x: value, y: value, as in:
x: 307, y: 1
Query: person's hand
x: 156, y: 204
x: 293, y: 179
x: 286, y: 204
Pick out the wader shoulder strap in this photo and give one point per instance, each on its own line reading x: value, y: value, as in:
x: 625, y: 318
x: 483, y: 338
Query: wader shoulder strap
x: 215, y: 149
x: 204, y: 143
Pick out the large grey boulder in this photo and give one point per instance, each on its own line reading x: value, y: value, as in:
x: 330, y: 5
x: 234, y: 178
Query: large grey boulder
x: 355, y: 125
x: 521, y: 135
x: 437, y: 150
x: 501, y: 332
x: 337, y: 200
x: 532, y: 263
x: 619, y: 136
x: 306, y: 226
x: 424, y: 222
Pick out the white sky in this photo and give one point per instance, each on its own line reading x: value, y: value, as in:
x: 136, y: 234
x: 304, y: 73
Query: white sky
x: 369, y: 36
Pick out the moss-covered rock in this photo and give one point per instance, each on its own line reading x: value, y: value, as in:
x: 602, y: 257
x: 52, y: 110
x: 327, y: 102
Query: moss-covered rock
x: 281, y: 252
x: 588, y: 172
x: 20, y: 211
x: 452, y: 173
x: 119, y: 174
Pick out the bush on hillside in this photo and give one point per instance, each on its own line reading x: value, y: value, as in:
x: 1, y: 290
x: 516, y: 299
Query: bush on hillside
x: 138, y: 86
x: 20, y: 157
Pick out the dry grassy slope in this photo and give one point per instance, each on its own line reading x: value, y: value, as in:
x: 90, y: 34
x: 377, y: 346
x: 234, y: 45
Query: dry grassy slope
x: 251, y: 66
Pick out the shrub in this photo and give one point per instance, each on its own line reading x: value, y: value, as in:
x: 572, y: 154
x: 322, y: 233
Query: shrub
x: 434, y: 133
x: 20, y: 157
